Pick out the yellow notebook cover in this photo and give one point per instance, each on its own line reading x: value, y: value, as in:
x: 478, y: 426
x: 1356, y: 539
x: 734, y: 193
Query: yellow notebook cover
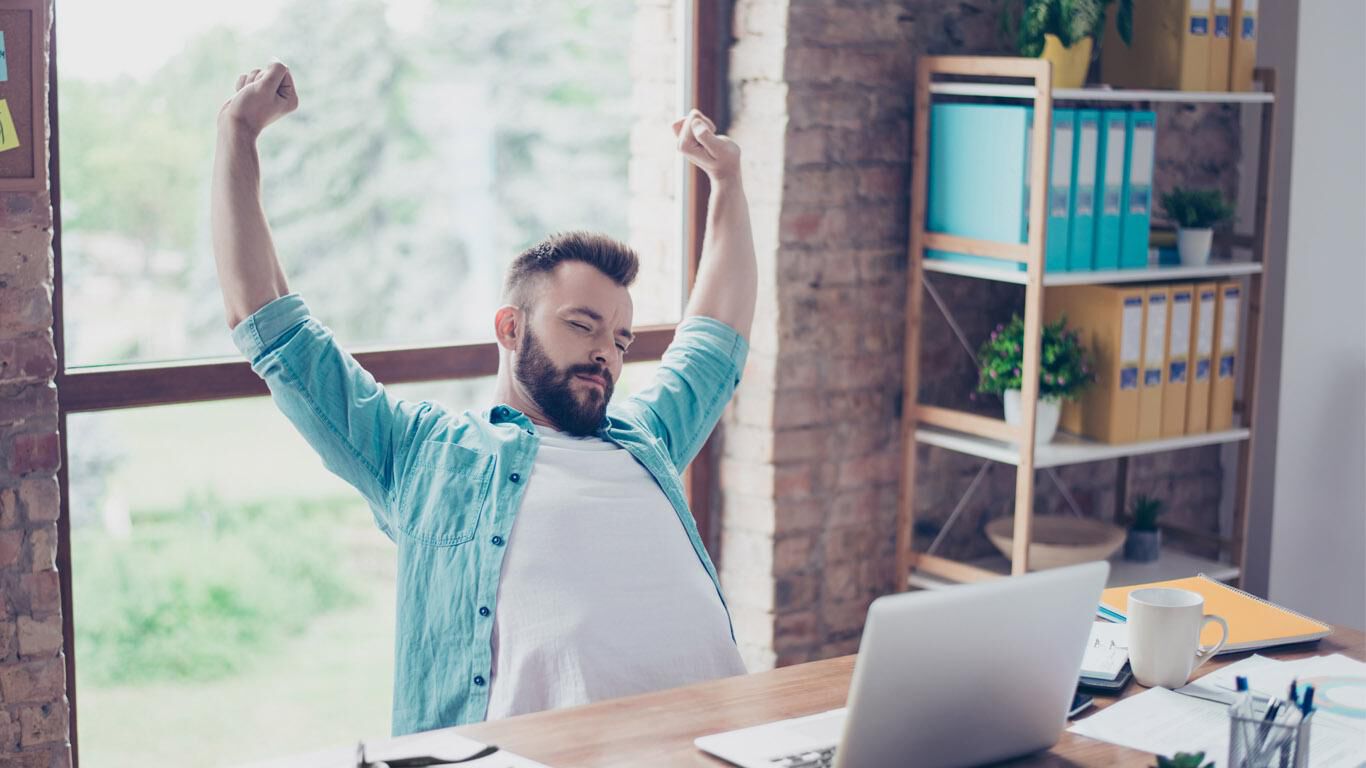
x: 1252, y: 621
x: 1178, y: 360
x: 1220, y: 45
x: 1109, y: 322
x: 1154, y: 377
x: 1202, y: 358
x: 1222, y: 389
x: 1243, y: 57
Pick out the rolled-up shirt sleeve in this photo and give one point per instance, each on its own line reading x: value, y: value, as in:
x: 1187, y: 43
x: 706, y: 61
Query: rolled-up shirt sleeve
x: 358, y: 429
x: 695, y: 380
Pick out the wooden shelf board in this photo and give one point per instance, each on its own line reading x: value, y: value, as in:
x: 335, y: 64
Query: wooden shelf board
x: 1065, y: 448
x: 1006, y: 91
x: 1170, y: 565
x: 1007, y: 274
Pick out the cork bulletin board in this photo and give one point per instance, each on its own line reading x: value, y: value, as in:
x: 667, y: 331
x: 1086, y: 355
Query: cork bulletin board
x: 23, y: 103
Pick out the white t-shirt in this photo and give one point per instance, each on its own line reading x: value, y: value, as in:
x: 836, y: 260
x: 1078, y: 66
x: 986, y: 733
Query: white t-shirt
x: 601, y: 593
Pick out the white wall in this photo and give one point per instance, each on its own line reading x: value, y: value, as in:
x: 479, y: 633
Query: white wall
x: 1318, y: 537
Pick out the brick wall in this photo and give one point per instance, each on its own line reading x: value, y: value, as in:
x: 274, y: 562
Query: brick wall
x: 33, y: 707
x: 33, y: 704
x: 821, y: 101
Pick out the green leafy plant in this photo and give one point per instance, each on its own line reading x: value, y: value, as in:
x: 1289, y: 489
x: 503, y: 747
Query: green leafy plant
x: 1065, y: 369
x: 1144, y: 511
x: 1196, y: 208
x: 1027, y: 21
x: 1184, y: 760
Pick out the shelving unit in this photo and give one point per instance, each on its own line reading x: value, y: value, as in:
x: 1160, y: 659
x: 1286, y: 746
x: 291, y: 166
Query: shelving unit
x: 992, y: 439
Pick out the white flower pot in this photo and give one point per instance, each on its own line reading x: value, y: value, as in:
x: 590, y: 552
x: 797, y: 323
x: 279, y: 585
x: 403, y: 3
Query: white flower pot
x: 1045, y: 420
x: 1194, y: 246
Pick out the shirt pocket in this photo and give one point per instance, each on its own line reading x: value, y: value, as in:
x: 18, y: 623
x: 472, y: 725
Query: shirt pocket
x: 444, y: 494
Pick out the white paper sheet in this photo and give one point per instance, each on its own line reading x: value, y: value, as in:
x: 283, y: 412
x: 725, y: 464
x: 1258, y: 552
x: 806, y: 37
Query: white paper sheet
x: 1162, y: 722
x: 1165, y: 722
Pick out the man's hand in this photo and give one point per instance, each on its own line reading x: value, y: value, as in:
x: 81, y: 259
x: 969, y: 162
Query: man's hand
x: 716, y: 155
x: 262, y: 96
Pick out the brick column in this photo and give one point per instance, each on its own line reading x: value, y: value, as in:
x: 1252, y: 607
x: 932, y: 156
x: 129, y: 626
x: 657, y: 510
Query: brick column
x: 33, y: 704
x: 33, y: 707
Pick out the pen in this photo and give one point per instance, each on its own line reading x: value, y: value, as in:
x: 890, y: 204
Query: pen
x: 1307, y: 706
x: 1242, y: 703
x: 1294, y: 695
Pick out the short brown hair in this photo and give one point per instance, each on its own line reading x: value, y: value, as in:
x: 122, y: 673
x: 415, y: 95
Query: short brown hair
x: 610, y: 257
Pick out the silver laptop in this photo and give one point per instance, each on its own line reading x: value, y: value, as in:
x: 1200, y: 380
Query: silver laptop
x: 959, y: 676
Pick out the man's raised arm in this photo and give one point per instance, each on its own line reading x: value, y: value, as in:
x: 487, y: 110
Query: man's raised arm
x: 248, y: 271
x: 727, y: 277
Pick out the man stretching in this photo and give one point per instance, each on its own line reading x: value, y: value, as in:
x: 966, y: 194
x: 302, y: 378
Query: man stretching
x: 546, y: 553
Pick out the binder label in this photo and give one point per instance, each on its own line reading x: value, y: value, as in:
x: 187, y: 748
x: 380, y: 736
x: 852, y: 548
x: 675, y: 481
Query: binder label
x: 1204, y: 343
x: 1222, y: 25
x: 1131, y: 332
x: 1141, y: 167
x: 1062, y: 170
x: 1111, y: 201
x: 1156, y: 339
x: 1202, y: 369
x: 1130, y: 342
x: 1180, y: 341
x: 1177, y: 373
x: 1226, y: 367
x: 1087, y: 139
x: 1249, y: 28
x: 1086, y: 200
x: 1199, y: 17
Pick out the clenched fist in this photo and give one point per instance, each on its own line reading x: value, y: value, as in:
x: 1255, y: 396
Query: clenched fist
x: 262, y: 97
x: 716, y: 155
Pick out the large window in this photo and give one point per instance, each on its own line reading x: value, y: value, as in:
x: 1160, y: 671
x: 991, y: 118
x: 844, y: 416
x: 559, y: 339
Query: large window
x: 217, y: 573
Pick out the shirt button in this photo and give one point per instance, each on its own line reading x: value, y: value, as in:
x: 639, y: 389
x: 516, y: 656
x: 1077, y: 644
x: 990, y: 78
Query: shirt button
x: 514, y: 477
x: 483, y: 610
x: 497, y: 541
x: 478, y: 679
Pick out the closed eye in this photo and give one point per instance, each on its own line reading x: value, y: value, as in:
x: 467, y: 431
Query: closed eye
x: 580, y: 326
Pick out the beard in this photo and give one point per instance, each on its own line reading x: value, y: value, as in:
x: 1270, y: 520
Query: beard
x: 552, y: 389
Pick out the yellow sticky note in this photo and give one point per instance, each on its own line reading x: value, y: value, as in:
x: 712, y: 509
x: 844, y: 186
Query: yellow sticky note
x: 9, y: 138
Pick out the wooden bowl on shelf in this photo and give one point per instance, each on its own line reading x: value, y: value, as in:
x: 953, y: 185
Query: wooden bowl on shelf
x: 1058, y: 540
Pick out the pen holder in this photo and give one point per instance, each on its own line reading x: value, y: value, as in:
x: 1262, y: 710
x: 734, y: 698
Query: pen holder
x: 1255, y: 742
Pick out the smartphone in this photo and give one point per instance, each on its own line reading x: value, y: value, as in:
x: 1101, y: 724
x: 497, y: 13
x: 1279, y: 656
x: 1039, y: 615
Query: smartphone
x: 1108, y: 687
x: 1080, y: 703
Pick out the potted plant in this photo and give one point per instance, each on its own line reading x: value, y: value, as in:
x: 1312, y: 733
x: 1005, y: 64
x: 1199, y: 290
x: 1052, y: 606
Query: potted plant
x: 1062, y: 32
x: 1195, y: 212
x: 1144, y: 540
x: 1064, y: 371
x: 1184, y: 760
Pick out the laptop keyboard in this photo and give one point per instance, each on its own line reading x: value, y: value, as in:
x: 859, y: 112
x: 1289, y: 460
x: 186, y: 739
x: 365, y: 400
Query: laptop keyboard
x: 823, y: 758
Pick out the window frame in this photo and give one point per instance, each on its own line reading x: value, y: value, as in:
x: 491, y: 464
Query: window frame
x: 88, y: 389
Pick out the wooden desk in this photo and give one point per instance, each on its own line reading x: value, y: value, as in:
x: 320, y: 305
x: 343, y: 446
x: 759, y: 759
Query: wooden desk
x: 657, y: 729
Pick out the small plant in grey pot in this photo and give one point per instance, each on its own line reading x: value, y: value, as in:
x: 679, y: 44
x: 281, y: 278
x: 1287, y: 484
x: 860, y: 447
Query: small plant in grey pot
x: 1144, y: 540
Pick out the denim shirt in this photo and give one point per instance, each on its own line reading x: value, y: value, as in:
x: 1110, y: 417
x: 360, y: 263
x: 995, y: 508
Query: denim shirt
x: 446, y: 486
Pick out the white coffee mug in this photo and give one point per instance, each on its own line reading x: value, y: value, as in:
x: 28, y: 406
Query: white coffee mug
x: 1164, y: 635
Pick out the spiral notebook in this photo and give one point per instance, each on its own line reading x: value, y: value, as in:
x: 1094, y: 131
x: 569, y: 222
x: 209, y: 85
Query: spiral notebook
x: 1252, y: 622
